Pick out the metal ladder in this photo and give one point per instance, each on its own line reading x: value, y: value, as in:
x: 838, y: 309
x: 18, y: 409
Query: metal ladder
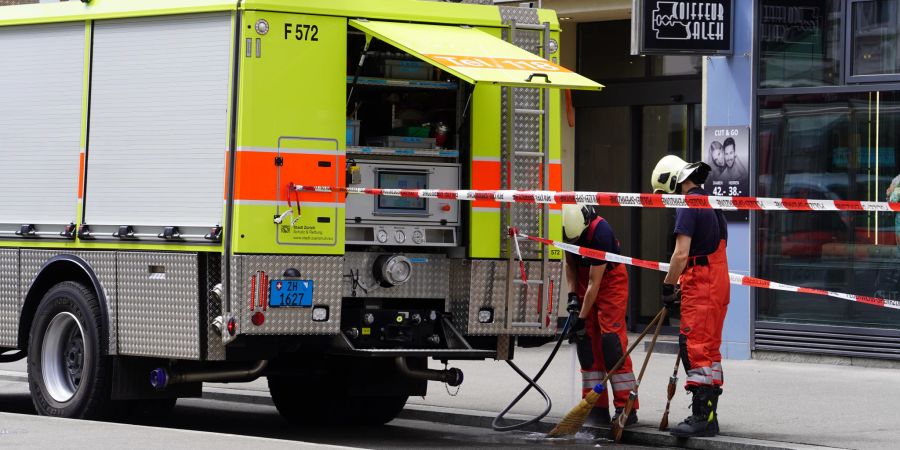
x: 527, y: 167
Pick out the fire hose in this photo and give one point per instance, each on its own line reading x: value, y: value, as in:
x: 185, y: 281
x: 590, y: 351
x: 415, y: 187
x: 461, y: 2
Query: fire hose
x: 532, y: 382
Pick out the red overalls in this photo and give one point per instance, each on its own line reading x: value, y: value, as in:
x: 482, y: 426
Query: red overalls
x: 705, y: 290
x: 606, y: 330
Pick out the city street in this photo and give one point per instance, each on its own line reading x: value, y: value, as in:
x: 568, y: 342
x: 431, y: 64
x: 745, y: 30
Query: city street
x: 201, y: 423
x: 813, y: 405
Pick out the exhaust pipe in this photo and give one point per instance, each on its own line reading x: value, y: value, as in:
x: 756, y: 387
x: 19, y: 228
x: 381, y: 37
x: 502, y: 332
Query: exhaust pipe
x: 162, y: 378
x: 452, y: 376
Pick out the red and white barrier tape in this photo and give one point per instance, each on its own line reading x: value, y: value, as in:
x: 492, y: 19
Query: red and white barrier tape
x: 622, y: 199
x: 737, y: 279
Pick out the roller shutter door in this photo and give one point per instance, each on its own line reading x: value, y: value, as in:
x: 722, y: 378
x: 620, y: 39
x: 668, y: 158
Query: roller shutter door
x: 159, y: 121
x: 41, y: 85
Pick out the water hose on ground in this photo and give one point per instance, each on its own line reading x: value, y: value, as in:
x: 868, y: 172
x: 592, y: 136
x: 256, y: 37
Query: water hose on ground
x: 532, y: 383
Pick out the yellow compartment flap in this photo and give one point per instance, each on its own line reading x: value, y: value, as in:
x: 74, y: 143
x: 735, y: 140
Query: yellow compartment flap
x: 475, y: 56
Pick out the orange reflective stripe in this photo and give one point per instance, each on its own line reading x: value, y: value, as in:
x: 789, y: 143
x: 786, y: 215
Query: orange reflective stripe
x: 556, y: 182
x: 256, y: 175
x: 81, y: 175
x: 485, y: 176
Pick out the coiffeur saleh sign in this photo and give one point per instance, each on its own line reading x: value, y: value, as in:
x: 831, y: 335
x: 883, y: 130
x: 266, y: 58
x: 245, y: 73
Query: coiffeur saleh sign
x: 682, y: 27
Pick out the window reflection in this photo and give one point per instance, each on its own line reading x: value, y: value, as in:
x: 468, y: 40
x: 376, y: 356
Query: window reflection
x: 836, y: 147
x: 799, y: 43
x: 875, y: 37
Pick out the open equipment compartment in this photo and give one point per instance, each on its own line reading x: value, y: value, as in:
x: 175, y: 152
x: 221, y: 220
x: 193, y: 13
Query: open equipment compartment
x: 407, y: 128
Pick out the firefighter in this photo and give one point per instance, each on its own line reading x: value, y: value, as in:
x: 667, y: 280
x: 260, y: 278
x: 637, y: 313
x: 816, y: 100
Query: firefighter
x: 601, y: 288
x: 700, y: 265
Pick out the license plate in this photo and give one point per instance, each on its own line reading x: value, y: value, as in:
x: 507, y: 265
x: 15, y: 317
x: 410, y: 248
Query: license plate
x: 295, y: 293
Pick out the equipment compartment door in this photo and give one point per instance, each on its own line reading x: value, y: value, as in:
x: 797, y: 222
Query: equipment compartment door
x: 291, y: 130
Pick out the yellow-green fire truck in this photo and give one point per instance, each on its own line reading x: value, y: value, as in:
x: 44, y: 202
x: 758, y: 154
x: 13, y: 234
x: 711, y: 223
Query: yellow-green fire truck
x: 151, y: 238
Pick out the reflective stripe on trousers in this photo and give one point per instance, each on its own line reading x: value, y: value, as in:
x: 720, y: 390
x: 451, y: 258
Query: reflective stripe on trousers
x: 590, y: 378
x: 622, y: 382
x: 717, y: 374
x: 700, y: 375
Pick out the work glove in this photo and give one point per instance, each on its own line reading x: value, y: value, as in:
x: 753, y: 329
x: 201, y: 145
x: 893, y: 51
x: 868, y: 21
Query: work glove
x: 671, y: 297
x: 574, y: 306
x: 576, y: 331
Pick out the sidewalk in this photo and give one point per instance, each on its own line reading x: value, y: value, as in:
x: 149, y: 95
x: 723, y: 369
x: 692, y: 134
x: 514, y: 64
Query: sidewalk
x: 779, y: 402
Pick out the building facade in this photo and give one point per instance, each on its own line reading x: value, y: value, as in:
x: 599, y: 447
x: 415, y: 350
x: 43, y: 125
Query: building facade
x: 817, y: 83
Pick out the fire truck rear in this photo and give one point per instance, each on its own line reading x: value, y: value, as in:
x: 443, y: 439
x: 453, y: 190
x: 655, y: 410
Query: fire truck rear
x: 152, y: 236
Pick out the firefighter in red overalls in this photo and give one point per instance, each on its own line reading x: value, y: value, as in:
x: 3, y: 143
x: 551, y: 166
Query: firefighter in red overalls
x: 700, y: 266
x: 601, y: 288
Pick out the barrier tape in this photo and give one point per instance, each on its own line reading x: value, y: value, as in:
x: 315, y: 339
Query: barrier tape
x: 737, y: 279
x: 622, y: 199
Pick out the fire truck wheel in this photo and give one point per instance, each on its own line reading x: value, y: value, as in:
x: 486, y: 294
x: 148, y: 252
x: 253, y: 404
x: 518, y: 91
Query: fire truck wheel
x: 379, y: 410
x: 306, y: 402
x: 68, y: 375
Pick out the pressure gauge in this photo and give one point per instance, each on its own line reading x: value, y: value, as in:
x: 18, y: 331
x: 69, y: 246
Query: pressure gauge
x: 418, y: 237
x: 400, y: 236
x: 381, y: 236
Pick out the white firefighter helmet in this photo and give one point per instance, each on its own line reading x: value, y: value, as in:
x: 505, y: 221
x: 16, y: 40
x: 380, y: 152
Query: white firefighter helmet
x: 672, y: 170
x: 576, y: 219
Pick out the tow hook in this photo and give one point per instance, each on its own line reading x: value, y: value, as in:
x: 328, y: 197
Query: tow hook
x: 451, y: 376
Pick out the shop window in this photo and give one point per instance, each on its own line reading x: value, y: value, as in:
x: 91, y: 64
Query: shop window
x: 800, y: 43
x: 875, y: 39
x: 835, y: 147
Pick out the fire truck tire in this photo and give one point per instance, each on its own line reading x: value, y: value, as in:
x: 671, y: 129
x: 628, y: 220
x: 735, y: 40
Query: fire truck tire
x: 305, y: 403
x: 380, y: 410
x: 68, y: 374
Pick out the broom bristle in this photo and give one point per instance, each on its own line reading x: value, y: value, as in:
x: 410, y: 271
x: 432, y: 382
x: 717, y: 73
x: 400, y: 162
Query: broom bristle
x: 574, y: 419
x: 664, y: 423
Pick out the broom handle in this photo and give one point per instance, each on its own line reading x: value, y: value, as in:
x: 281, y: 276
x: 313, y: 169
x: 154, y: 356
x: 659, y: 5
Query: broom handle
x: 656, y: 321
x: 574, y: 419
x: 634, y: 393
x: 664, y: 422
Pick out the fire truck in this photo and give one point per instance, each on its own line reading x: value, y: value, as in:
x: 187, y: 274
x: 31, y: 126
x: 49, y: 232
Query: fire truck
x: 152, y: 238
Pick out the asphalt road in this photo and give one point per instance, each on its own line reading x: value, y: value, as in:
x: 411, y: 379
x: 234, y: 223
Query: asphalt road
x: 198, y: 423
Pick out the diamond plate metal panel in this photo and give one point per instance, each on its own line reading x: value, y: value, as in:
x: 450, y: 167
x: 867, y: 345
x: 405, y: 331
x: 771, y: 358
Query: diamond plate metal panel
x: 10, y: 298
x: 215, y: 349
x: 460, y: 282
x: 159, y: 310
x: 324, y: 271
x: 520, y: 15
x: 487, y: 289
x: 102, y: 263
x: 430, y: 277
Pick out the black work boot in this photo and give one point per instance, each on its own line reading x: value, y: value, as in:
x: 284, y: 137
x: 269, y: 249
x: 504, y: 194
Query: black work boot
x: 714, y: 425
x: 632, y: 418
x: 699, y: 423
x: 598, y: 417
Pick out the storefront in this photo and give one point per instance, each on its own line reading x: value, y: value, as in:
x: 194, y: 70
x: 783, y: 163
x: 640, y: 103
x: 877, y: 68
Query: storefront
x: 828, y: 127
x: 817, y: 83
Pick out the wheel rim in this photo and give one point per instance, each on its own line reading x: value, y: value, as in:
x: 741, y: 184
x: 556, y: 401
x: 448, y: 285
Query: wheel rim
x: 62, y: 357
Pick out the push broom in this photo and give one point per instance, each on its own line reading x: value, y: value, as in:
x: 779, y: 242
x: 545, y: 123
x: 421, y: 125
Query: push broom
x: 574, y: 419
x: 619, y: 425
x: 670, y: 392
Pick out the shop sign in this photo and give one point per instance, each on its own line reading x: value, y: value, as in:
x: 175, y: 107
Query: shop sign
x: 682, y: 27
x: 727, y: 151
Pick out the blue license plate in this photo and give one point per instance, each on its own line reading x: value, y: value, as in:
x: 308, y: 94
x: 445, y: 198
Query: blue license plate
x: 296, y: 293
